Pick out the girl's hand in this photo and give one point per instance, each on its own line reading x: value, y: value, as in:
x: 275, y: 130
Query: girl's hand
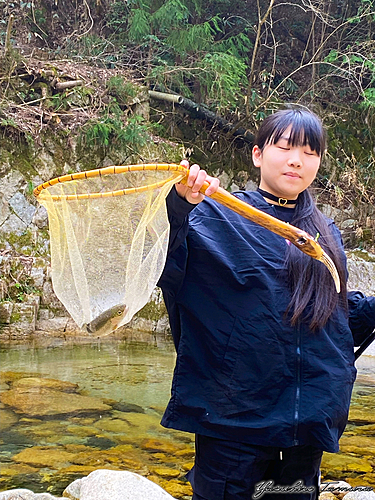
x: 196, y: 179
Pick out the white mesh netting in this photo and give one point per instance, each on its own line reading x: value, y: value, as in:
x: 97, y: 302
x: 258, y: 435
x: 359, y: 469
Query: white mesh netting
x: 108, y: 251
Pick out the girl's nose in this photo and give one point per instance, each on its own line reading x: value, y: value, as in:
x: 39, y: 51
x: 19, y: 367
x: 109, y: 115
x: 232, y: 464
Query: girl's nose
x: 295, y: 158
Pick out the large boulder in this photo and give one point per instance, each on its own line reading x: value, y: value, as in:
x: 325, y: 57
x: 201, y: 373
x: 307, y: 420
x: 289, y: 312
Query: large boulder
x: 115, y: 485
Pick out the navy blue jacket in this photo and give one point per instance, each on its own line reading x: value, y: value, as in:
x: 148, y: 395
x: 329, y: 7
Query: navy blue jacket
x: 243, y: 372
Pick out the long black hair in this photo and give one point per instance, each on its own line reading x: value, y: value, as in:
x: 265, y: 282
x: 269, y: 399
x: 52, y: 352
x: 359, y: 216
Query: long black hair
x: 313, y: 293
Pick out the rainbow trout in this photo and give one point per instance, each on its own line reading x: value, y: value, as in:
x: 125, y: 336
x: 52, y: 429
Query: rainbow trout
x: 107, y: 322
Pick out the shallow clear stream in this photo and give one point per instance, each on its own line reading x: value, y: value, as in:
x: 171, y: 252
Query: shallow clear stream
x: 45, y: 452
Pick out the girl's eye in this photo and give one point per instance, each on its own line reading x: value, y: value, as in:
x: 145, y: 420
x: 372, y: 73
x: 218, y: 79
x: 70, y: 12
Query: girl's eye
x: 285, y: 149
x: 309, y: 154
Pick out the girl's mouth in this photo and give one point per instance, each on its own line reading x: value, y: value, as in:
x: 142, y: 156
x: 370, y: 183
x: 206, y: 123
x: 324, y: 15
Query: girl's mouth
x: 292, y: 174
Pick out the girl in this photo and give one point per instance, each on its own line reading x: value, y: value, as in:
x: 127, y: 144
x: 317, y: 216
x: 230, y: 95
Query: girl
x: 265, y: 360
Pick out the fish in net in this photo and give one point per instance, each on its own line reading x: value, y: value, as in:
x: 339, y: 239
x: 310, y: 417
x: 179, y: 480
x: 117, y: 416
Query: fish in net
x: 109, y: 235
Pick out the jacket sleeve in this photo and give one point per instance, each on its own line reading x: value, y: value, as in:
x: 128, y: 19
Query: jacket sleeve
x: 174, y: 270
x: 178, y: 210
x: 361, y: 316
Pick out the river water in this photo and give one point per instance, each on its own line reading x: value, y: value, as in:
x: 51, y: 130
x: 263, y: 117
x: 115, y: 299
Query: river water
x: 45, y: 445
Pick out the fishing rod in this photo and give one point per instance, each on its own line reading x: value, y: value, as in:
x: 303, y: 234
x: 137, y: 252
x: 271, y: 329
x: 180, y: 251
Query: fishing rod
x: 368, y: 340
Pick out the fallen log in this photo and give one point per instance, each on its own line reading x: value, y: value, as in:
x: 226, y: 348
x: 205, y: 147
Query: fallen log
x: 202, y: 113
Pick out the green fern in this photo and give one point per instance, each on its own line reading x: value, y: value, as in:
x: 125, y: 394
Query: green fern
x: 238, y: 45
x: 195, y: 38
x: 171, y: 14
x: 111, y: 132
x: 223, y: 78
x: 139, y: 25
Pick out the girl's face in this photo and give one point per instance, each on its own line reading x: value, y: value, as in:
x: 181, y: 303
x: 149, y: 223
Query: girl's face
x: 286, y: 170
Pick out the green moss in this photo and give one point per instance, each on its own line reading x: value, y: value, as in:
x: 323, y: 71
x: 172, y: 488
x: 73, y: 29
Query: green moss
x: 20, y: 241
x: 363, y: 255
x: 15, y: 317
x: 153, y: 311
x: 19, y: 154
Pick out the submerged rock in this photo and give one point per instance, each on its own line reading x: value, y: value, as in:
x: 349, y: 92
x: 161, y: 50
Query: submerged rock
x: 159, y: 445
x: 359, y: 445
x: 42, y: 456
x: 127, y: 407
x: 362, y: 415
x: 166, y: 472
x: 7, y: 419
x: 48, y: 383
x: 338, y: 464
x: 41, y: 401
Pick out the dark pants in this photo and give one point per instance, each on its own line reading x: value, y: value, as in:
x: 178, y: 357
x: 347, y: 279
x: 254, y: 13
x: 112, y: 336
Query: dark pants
x: 225, y: 470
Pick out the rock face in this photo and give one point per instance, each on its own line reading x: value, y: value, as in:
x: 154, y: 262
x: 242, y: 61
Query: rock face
x: 361, y: 267
x: 115, y: 485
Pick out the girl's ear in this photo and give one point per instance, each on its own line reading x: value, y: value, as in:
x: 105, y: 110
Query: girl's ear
x: 257, y: 156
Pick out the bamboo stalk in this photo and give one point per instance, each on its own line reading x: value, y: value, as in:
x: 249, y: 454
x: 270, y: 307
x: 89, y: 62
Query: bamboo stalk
x: 9, y: 31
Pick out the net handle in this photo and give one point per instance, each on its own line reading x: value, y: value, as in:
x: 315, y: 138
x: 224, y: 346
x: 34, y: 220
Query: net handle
x: 120, y: 169
x: 302, y: 240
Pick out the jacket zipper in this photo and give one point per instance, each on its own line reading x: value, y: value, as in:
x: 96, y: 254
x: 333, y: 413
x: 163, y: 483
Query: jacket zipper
x: 298, y: 389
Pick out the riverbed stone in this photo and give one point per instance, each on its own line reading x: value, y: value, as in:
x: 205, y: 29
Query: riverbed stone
x: 9, y: 377
x: 115, y: 485
x: 359, y: 445
x: 178, y: 489
x: 165, y: 472
x: 115, y: 425
x: 337, y: 462
x: 7, y: 419
x: 362, y: 415
x: 159, y: 445
x: 9, y: 469
x: 368, y: 430
x: 49, y: 383
x: 121, y: 456
x: 43, y: 456
x: 41, y: 401
x: 185, y: 453
x: 187, y: 466
x: 363, y: 480
x: 81, y: 431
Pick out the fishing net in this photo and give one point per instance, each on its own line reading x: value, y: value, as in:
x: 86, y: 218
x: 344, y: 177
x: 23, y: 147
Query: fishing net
x: 109, y: 235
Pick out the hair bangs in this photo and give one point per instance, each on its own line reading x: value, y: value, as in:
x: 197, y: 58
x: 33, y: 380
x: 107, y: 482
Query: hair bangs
x: 306, y: 129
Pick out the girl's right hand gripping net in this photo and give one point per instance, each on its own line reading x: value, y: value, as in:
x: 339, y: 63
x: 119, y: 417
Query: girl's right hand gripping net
x: 109, y: 236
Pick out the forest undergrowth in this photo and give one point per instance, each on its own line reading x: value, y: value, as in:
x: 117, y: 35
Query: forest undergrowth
x: 80, y: 69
